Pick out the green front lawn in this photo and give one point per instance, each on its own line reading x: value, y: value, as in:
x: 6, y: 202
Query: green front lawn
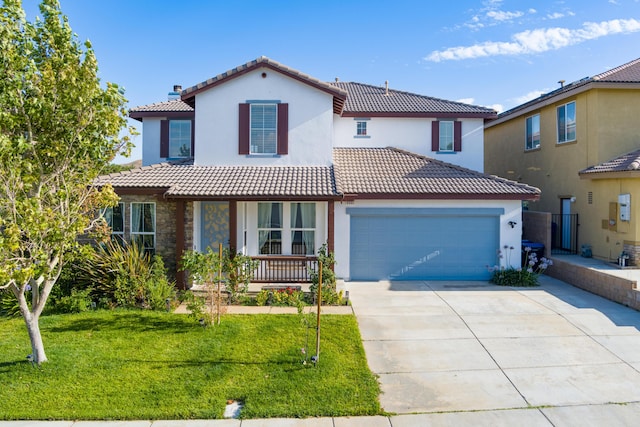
x: 145, y: 365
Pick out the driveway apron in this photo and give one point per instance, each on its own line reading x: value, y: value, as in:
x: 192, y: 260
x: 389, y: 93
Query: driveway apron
x: 473, y: 346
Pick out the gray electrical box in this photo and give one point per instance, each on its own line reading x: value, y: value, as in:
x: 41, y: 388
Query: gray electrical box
x: 624, y: 200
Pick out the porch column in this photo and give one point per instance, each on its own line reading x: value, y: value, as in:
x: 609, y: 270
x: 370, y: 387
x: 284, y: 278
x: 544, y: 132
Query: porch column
x: 330, y: 226
x: 180, y: 275
x: 233, y: 226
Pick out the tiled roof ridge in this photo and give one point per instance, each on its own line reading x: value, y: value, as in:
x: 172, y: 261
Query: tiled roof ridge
x: 461, y: 168
x: 405, y: 92
x: 254, y: 62
x: 602, y: 76
x: 145, y: 107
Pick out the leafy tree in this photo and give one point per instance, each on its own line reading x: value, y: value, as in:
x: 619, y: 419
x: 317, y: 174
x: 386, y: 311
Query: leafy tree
x: 58, y: 128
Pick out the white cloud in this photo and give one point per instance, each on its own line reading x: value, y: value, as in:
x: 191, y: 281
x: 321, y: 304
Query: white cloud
x: 529, y: 96
x: 498, y: 107
x: 499, y: 15
x: 555, y: 15
x: 466, y: 100
x: 538, y: 40
x: 532, y: 11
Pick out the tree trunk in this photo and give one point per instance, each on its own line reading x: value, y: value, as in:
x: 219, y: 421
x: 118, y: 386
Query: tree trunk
x: 37, y: 347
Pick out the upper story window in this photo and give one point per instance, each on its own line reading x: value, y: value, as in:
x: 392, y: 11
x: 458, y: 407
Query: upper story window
x: 176, y: 138
x: 143, y: 226
x: 361, y: 128
x: 532, y: 139
x: 179, y: 138
x: 446, y: 136
x: 263, y: 128
x: 567, y: 122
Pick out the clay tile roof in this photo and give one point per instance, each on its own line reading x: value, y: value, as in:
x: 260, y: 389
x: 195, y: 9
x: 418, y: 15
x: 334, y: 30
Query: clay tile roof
x: 625, y: 73
x: 175, y: 106
x: 363, y: 99
x: 628, y: 73
x: 188, y: 180
x: 629, y: 162
x: 389, y: 171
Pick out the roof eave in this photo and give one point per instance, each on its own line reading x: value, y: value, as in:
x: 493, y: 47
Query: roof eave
x: 140, y: 115
x: 439, y: 196
x: 421, y: 114
x: 635, y: 174
x: 543, y: 101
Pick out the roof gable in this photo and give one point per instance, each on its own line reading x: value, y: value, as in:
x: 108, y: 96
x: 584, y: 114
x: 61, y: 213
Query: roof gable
x: 339, y: 95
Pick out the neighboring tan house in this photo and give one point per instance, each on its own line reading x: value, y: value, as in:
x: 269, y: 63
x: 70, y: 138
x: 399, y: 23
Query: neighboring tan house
x: 273, y: 163
x: 579, y: 144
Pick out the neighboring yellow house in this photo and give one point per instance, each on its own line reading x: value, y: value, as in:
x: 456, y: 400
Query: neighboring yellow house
x: 579, y: 144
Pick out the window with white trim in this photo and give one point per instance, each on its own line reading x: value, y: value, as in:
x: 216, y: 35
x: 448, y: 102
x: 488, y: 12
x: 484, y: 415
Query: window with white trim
x: 270, y: 227
x: 143, y: 226
x: 303, y: 228
x: 532, y: 139
x: 263, y: 128
x: 179, y: 138
x: 445, y: 136
x: 114, y: 216
x: 567, y: 122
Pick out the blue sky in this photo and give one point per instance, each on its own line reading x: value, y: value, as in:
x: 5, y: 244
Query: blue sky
x: 496, y: 53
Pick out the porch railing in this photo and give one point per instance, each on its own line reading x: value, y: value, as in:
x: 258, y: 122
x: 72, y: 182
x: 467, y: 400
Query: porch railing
x: 284, y: 269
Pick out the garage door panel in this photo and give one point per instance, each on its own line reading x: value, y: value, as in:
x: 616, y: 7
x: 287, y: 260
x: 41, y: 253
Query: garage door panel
x: 422, y: 247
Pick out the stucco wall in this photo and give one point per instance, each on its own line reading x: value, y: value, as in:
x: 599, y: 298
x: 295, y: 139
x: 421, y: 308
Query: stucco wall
x: 606, y: 127
x: 413, y: 134
x: 310, y: 120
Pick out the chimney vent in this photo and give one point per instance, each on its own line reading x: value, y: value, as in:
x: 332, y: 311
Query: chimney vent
x: 561, y: 83
x: 175, y: 93
x: 386, y: 87
x: 337, y: 79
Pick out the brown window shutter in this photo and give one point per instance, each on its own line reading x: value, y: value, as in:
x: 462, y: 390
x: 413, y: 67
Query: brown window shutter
x: 457, y: 136
x: 283, y: 128
x: 244, y: 129
x: 435, y: 135
x: 193, y: 137
x: 164, y: 138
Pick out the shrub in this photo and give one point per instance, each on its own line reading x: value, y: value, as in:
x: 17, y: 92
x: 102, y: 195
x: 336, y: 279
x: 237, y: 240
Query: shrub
x: 329, y: 294
x: 524, y: 276
x: 126, y: 276
x: 78, y: 301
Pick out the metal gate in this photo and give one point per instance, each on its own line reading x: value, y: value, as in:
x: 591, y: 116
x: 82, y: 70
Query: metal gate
x: 564, y: 233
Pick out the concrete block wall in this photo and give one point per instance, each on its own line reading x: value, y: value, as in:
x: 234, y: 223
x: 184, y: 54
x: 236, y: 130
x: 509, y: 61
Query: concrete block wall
x: 633, y: 249
x: 536, y: 227
x: 618, y: 289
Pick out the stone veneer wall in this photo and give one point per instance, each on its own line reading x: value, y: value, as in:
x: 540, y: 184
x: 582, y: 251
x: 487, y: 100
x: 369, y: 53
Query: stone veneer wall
x: 165, y: 226
x: 536, y: 227
x: 633, y: 249
x: 618, y: 289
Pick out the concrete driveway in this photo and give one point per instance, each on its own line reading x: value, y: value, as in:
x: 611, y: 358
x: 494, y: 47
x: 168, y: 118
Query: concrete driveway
x: 472, y: 346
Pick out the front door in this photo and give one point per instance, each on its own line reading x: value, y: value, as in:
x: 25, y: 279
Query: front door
x: 215, y: 225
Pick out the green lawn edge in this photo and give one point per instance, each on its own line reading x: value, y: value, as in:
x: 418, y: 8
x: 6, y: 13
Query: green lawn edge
x: 129, y: 365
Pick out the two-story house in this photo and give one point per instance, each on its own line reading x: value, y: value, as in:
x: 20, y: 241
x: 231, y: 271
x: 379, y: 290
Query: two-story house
x: 580, y: 144
x: 274, y: 163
